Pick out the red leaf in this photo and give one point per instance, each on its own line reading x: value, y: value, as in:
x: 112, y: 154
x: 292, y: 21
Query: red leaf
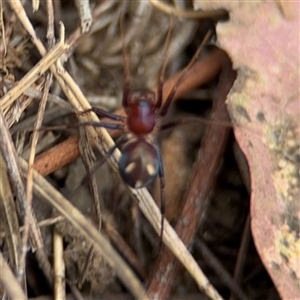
x: 262, y: 39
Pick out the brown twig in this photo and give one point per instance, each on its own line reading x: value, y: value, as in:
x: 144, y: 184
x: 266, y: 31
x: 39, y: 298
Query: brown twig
x: 67, y: 151
x: 208, y: 163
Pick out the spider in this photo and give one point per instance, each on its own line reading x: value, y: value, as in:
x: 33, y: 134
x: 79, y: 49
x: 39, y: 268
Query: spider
x: 140, y: 161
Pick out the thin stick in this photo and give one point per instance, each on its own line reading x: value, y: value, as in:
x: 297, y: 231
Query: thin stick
x: 50, y: 29
x: 46, y: 222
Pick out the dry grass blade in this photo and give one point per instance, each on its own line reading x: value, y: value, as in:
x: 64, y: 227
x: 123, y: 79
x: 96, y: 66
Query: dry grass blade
x: 33, y: 75
x: 10, y: 157
x: 175, y: 244
x: 17, y: 6
x: 59, y: 267
x: 9, y: 281
x: 97, y: 14
x: 35, y: 135
x: 35, y: 5
x: 46, y: 192
x: 7, y: 101
x: 83, y: 8
x: 8, y: 213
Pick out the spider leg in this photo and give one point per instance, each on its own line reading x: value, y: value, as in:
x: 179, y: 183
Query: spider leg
x: 102, y: 113
x: 165, y: 107
x: 160, y: 81
x: 162, y: 196
x: 112, y: 126
x: 123, y: 139
x: 126, y: 87
x: 194, y: 121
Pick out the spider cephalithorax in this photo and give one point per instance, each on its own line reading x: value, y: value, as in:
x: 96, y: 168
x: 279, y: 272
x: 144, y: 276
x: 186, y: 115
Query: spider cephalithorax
x: 141, y: 112
x: 139, y: 163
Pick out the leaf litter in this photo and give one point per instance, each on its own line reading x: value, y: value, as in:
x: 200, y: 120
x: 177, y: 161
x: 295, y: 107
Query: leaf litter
x: 100, y: 73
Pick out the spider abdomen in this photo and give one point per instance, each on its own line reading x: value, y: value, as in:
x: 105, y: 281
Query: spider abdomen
x: 139, y: 163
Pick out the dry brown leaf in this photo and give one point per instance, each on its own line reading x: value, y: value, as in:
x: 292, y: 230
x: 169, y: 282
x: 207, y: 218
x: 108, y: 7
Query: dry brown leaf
x: 262, y: 39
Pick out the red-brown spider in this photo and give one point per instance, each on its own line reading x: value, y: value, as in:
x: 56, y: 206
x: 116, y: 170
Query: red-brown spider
x: 140, y: 160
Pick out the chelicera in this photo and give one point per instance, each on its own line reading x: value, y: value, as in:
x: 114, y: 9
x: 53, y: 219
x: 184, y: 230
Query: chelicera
x: 140, y: 160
